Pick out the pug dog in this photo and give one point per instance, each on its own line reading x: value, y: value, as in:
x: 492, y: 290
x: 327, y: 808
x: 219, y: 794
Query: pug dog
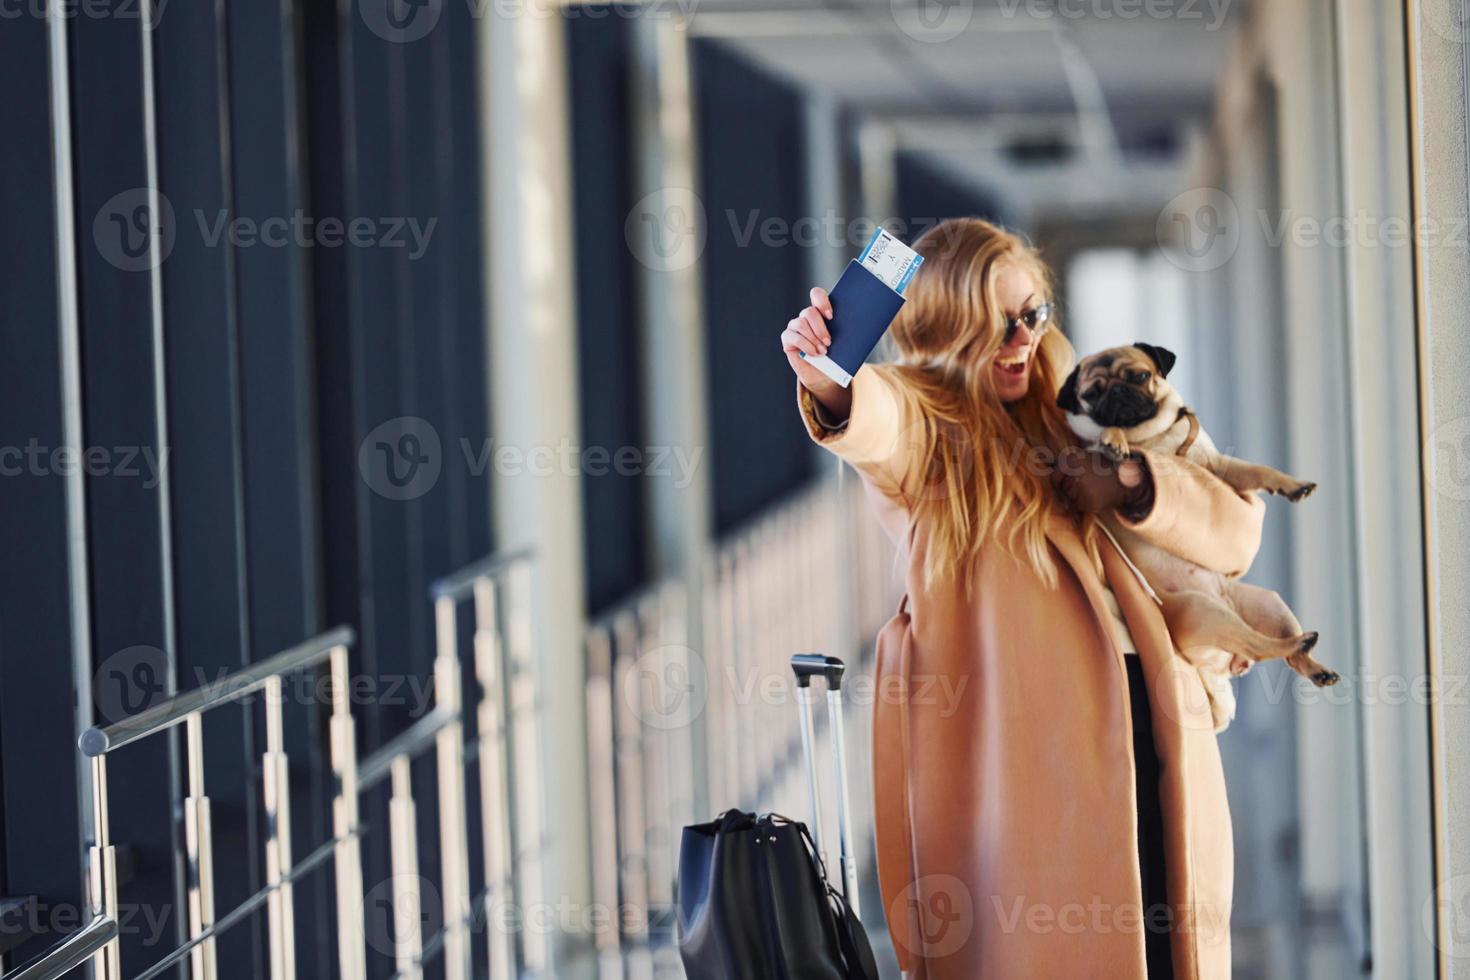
x: 1119, y: 401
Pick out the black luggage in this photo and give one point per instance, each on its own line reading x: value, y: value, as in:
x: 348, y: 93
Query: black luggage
x: 754, y: 902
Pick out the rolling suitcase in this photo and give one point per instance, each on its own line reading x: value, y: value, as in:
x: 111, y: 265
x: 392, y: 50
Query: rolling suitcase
x: 754, y: 901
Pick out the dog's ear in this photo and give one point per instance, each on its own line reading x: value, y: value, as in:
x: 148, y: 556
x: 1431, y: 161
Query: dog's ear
x: 1067, y: 397
x: 1163, y: 358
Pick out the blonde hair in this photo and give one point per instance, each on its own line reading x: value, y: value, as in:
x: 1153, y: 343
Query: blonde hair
x: 982, y: 484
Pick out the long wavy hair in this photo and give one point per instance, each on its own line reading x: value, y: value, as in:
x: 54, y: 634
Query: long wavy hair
x: 987, y: 476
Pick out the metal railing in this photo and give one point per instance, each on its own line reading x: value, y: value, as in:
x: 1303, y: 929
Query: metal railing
x: 73, y: 951
x: 188, y: 709
x: 805, y: 575
x: 505, y: 746
x: 499, y: 589
x: 673, y: 718
x: 641, y: 691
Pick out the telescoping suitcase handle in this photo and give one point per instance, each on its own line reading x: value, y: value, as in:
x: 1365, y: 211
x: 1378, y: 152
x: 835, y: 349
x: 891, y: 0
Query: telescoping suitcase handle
x: 806, y: 666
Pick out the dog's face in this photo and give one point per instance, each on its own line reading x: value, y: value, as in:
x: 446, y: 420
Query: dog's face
x: 1120, y: 387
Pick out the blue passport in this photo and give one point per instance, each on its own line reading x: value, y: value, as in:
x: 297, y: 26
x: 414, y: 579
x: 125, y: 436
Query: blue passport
x: 864, y: 302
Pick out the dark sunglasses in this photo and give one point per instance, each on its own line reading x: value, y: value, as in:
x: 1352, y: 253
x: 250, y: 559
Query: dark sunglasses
x: 1037, y: 321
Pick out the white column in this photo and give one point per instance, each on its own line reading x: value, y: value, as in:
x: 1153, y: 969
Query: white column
x: 878, y: 162
x: 1382, y: 379
x: 1438, y: 38
x: 533, y: 370
x: 1322, y: 530
x: 666, y: 232
x: 825, y: 184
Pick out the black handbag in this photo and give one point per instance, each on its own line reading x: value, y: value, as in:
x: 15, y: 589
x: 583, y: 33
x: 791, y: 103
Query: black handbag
x: 754, y: 902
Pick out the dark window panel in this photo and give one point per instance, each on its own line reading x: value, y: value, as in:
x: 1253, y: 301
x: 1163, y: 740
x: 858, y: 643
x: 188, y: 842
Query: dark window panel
x: 927, y: 195
x: 128, y: 556
x: 609, y: 372
x: 39, y: 830
x: 203, y: 407
x: 751, y: 142
x: 279, y: 440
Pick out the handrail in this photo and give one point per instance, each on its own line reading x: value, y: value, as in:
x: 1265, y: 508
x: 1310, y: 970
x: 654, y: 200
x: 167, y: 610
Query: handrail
x: 491, y: 584
x: 70, y: 953
x: 410, y: 742
x: 502, y: 646
x: 96, y: 742
x: 187, y: 709
x: 459, y: 584
x: 245, y: 909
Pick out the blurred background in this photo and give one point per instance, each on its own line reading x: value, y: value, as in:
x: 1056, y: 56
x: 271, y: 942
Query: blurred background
x: 407, y: 521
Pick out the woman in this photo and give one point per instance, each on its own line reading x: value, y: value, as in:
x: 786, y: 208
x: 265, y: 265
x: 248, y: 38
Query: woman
x: 1065, y: 815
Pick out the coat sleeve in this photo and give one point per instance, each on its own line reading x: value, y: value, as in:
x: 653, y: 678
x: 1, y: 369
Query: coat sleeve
x: 883, y: 433
x: 1199, y: 517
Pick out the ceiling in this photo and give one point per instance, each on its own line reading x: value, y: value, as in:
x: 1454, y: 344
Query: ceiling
x: 1061, y: 108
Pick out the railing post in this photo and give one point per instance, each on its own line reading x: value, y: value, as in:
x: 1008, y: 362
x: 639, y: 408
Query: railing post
x: 494, y: 785
x: 199, y: 845
x: 454, y: 846
x: 275, y: 772
x: 351, y: 937
x: 407, y: 917
x: 102, y: 874
x: 650, y: 666
x: 603, y: 794
x: 526, y: 740
x: 628, y: 742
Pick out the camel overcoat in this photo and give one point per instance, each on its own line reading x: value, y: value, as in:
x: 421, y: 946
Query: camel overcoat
x: 1003, y: 767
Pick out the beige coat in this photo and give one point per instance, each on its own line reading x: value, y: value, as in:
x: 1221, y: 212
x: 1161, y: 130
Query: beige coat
x: 1003, y: 767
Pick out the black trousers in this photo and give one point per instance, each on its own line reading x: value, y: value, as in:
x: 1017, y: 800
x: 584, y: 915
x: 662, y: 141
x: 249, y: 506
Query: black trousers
x: 1157, y: 924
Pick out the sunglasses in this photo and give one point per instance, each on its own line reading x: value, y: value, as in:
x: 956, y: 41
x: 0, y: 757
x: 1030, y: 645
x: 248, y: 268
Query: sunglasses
x: 1037, y: 320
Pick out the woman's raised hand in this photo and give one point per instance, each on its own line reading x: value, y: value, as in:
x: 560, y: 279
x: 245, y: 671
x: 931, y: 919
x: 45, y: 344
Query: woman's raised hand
x: 806, y: 333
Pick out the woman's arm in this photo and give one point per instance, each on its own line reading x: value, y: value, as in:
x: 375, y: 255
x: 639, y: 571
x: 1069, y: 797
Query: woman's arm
x: 1170, y: 502
x: 1198, y: 516
x: 871, y: 424
x: 877, y: 436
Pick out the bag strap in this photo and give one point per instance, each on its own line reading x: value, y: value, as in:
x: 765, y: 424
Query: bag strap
x: 852, y: 940
x: 1193, y: 421
x: 1148, y: 589
x: 897, y: 868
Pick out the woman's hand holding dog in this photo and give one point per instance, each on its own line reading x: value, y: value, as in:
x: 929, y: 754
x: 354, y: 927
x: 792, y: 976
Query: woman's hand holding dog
x: 1093, y: 483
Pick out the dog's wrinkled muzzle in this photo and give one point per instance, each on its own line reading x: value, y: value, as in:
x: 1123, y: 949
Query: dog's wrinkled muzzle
x: 1123, y: 406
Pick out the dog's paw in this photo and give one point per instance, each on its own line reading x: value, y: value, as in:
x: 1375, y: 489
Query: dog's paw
x: 1115, y: 444
x: 1299, y: 492
x: 1325, y: 678
x: 1239, y: 665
